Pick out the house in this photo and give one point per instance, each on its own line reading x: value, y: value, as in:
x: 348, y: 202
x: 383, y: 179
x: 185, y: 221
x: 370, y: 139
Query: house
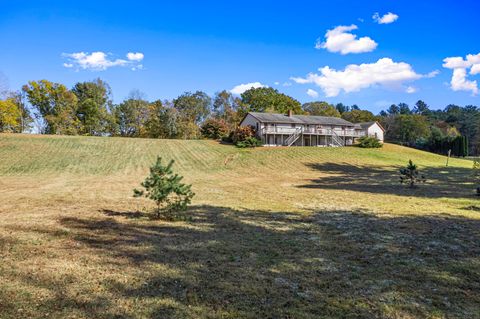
x: 305, y: 130
x: 372, y: 129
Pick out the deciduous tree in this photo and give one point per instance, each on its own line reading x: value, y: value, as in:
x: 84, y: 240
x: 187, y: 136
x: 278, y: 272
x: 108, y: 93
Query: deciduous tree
x: 267, y: 99
x: 321, y: 108
x: 358, y: 116
x: 10, y: 115
x: 56, y: 104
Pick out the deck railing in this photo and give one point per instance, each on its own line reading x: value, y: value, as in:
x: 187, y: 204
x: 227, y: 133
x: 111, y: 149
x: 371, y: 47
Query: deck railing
x: 313, y: 130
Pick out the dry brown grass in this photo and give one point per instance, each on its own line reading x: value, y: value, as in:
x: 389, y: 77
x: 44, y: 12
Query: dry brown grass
x: 276, y: 233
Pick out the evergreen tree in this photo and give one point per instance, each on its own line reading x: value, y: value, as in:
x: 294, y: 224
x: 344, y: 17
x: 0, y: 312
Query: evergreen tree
x: 166, y: 190
x: 410, y: 175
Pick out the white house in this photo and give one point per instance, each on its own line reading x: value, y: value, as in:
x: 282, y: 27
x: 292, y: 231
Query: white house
x: 372, y: 129
x: 306, y: 130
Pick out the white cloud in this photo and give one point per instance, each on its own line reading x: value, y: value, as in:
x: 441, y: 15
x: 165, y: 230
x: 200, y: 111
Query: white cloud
x: 354, y: 77
x: 239, y: 89
x: 411, y: 89
x: 385, y: 19
x: 135, y: 56
x: 475, y: 69
x: 312, y: 93
x: 432, y: 74
x: 339, y: 39
x: 287, y: 84
x: 459, y: 82
x: 277, y: 83
x: 99, y: 61
x: 459, y: 65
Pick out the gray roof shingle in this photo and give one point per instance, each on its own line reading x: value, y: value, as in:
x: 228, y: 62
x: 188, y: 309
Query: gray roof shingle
x: 299, y: 119
x: 365, y: 125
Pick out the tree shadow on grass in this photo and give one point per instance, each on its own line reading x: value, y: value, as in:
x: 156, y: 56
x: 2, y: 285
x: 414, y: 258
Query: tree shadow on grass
x: 126, y: 214
x: 256, y: 264
x: 441, y: 181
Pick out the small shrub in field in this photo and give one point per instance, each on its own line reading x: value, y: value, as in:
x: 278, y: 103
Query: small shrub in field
x: 242, y: 133
x: 228, y: 139
x: 369, y: 142
x: 214, y: 128
x: 249, y: 142
x: 166, y: 189
x: 410, y: 175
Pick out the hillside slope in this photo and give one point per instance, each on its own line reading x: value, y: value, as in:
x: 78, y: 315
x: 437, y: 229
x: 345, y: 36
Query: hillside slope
x: 268, y: 178
x: 26, y: 154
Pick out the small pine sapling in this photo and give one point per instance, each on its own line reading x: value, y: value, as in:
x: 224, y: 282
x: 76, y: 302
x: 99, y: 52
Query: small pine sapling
x: 411, y: 176
x: 166, y: 190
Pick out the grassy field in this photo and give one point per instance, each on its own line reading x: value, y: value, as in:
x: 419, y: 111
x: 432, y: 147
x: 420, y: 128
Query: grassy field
x: 275, y: 233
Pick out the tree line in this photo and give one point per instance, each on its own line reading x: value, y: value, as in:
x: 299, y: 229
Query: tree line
x: 88, y: 109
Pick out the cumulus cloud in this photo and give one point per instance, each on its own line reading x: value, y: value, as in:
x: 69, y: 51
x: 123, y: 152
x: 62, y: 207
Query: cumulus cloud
x: 340, y: 39
x: 459, y: 65
x: 99, y: 61
x: 239, y: 89
x: 137, y: 56
x: 475, y: 69
x: 355, y: 77
x: 385, y: 19
x: 312, y: 93
x: 411, y: 89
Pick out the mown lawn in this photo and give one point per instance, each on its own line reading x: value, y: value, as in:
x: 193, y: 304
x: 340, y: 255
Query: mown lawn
x: 275, y: 233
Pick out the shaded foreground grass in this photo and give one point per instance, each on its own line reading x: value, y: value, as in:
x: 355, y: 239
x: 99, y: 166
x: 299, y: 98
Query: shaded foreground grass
x: 276, y: 233
x: 245, y: 264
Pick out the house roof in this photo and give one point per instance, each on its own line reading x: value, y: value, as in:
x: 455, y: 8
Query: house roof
x: 366, y: 125
x: 299, y: 119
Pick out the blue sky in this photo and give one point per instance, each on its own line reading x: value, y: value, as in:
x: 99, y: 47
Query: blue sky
x: 215, y: 45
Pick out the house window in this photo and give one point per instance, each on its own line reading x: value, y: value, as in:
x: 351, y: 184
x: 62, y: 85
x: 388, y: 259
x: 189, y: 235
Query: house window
x: 293, y: 125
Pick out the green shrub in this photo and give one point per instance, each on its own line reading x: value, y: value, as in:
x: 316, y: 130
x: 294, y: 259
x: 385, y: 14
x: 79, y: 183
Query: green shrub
x: 369, y: 142
x: 242, y: 133
x: 214, y: 128
x: 166, y: 190
x: 228, y: 138
x: 249, y: 142
x: 410, y: 175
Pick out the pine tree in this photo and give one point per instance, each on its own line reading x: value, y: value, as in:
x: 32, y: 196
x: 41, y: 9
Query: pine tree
x: 410, y: 175
x: 166, y: 190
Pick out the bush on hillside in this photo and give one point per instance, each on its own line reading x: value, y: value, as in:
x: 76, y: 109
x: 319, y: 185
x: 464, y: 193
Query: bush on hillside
x: 411, y: 176
x: 249, y: 142
x: 166, y: 189
x: 227, y: 139
x: 245, y: 136
x: 369, y: 142
x: 241, y: 133
x: 214, y: 128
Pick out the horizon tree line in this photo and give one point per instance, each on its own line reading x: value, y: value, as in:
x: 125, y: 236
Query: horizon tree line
x: 88, y: 109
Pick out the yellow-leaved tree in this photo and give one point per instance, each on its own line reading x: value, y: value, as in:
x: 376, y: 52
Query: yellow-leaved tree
x: 10, y: 115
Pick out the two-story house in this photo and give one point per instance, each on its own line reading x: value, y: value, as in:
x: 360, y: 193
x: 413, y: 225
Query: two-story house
x: 303, y: 130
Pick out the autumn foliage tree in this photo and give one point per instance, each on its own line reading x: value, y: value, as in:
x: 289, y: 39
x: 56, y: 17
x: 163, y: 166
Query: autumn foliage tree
x: 10, y: 115
x: 57, y: 106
